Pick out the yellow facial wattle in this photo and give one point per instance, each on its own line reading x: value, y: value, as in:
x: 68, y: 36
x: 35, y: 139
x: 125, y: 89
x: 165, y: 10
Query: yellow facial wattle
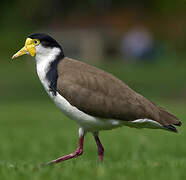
x: 29, y: 47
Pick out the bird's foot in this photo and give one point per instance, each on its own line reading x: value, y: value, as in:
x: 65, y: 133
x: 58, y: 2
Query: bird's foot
x: 76, y: 153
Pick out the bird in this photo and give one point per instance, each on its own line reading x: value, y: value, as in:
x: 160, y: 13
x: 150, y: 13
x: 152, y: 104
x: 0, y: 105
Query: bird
x: 95, y: 99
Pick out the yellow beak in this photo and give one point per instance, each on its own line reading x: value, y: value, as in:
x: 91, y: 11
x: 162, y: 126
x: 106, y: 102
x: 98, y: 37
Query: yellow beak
x: 29, y: 48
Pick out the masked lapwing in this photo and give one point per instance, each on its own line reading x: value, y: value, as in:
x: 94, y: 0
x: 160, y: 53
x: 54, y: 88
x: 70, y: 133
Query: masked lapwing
x: 96, y: 100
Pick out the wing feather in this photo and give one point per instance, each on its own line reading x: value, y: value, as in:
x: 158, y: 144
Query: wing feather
x: 100, y: 94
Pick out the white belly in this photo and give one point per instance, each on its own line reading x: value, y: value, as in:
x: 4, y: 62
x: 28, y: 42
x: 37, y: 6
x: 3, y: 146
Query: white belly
x: 91, y: 123
x: 88, y: 122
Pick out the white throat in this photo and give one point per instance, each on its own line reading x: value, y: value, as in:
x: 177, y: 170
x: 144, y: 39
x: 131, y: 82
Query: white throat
x: 44, y: 57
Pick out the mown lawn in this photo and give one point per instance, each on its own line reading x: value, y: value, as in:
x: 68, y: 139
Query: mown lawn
x: 34, y: 131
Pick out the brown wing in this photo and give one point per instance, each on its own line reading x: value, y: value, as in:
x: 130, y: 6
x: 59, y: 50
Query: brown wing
x: 100, y: 94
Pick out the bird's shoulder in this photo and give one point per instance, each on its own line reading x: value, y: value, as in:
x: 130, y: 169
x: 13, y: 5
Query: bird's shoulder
x: 86, y: 76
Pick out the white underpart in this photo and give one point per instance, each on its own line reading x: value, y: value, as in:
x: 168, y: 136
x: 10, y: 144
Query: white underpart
x: 44, y: 56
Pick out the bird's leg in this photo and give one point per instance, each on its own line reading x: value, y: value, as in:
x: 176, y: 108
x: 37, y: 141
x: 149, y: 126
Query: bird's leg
x: 76, y: 153
x: 100, y: 147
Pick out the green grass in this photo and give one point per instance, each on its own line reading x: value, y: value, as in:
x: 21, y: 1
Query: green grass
x: 36, y: 132
x: 33, y: 131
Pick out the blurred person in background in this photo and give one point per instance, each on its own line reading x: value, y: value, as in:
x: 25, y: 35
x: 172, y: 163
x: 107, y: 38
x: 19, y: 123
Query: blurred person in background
x: 138, y: 44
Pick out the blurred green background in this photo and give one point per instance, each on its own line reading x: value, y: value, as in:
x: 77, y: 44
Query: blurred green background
x: 141, y: 42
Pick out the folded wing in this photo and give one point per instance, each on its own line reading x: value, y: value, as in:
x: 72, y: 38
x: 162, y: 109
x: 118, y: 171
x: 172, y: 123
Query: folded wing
x: 100, y: 94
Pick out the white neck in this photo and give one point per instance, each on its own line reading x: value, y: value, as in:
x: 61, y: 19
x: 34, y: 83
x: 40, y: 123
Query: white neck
x: 44, y: 57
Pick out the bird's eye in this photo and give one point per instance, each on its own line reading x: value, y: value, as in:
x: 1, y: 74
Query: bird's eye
x: 35, y: 42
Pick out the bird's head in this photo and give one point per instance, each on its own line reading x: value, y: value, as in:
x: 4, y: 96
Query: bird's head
x: 38, y: 43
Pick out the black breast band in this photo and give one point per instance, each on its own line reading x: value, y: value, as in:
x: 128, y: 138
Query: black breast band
x: 52, y: 74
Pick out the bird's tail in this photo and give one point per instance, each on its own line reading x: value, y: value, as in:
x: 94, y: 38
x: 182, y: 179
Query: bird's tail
x: 168, y: 120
